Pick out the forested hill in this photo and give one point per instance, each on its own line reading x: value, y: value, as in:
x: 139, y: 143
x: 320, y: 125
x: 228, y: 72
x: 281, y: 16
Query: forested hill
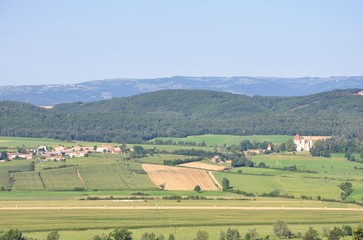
x: 187, y: 112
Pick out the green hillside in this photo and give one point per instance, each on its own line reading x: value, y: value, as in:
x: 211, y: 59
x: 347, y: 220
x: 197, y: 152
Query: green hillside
x: 181, y: 113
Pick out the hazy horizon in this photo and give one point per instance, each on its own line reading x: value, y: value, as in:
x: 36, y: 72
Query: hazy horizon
x: 69, y: 42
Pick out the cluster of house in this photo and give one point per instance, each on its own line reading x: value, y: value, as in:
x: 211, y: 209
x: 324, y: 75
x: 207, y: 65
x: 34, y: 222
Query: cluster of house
x: 13, y: 155
x: 305, y: 143
x: 258, y: 151
x: 59, y: 153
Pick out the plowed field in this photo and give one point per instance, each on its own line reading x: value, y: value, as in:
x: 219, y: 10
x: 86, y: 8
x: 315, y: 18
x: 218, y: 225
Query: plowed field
x: 179, y: 178
x: 205, y: 166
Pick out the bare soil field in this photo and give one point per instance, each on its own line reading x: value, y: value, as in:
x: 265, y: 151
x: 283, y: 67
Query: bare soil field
x: 204, y: 166
x: 179, y: 178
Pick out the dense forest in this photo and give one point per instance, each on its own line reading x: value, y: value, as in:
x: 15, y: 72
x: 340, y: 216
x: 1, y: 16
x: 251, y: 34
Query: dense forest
x: 180, y: 113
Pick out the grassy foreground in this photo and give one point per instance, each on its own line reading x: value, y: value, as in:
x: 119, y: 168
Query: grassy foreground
x: 78, y: 223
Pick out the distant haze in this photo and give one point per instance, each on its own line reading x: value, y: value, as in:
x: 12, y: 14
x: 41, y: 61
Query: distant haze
x: 106, y: 89
x: 63, y: 42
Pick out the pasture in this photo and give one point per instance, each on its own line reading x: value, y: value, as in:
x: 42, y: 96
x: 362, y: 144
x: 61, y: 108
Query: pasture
x: 259, y: 184
x: 218, y: 140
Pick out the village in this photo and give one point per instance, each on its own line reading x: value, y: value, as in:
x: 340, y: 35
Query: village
x: 59, y: 153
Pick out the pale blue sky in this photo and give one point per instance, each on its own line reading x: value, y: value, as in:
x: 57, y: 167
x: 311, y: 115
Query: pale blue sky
x: 74, y: 41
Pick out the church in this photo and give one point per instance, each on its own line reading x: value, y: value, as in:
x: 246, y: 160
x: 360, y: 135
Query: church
x: 305, y: 143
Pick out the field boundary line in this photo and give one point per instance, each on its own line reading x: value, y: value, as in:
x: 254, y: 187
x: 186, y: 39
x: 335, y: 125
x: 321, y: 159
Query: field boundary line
x: 114, y: 167
x: 214, y: 179
x: 80, y: 177
x: 41, y: 179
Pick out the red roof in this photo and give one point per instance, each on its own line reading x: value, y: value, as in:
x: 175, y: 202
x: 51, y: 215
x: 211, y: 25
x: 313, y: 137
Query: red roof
x: 297, y: 137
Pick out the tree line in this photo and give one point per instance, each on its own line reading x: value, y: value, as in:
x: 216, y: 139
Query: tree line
x: 351, y: 147
x: 280, y: 229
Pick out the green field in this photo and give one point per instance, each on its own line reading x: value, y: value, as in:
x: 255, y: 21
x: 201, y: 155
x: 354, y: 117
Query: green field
x: 17, y: 165
x: 73, y: 223
x: 105, y: 175
x: 27, y: 181
x: 217, y: 140
x: 14, y: 142
x: 295, y: 186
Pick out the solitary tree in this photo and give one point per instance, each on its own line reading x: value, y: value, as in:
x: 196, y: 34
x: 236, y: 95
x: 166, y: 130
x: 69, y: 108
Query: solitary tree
x: 311, y: 234
x: 53, y: 235
x: 202, y: 235
x: 347, y: 189
x: 197, y: 188
x: 231, y: 234
x: 281, y: 229
x: 225, y: 184
x: 290, y: 146
x: 252, y: 234
x: 171, y: 237
x: 282, y: 147
x: 121, y: 234
x: 160, y: 237
x: 4, y: 156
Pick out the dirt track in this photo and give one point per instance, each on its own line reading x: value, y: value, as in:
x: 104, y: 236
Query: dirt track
x: 184, y: 208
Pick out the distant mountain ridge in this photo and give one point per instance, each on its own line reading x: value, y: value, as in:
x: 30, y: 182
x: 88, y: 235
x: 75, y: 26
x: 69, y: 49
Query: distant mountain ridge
x: 105, y: 89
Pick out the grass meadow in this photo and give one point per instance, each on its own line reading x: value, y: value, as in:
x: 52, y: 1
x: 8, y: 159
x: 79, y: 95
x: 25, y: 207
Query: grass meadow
x: 217, y: 140
x: 295, y: 186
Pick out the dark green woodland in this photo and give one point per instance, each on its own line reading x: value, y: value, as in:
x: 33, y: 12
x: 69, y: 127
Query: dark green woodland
x: 179, y: 113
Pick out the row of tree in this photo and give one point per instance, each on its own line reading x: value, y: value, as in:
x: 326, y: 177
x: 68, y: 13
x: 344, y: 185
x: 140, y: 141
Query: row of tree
x: 280, y: 229
x: 349, y: 146
x: 15, y: 234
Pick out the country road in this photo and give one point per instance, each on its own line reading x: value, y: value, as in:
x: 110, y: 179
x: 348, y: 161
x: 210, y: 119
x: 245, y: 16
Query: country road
x: 183, y: 208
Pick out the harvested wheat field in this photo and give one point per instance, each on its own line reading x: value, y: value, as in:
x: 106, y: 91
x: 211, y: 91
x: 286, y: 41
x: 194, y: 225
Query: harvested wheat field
x: 205, y: 166
x: 179, y: 178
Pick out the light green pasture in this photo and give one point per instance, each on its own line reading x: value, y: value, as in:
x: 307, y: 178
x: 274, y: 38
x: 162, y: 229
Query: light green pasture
x: 213, y: 140
x: 61, y: 179
x: 334, y: 167
x: 27, y: 181
x: 15, y: 165
x: 296, y: 186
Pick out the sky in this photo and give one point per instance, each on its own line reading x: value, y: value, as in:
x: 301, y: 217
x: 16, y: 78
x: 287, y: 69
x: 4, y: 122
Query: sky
x: 63, y: 42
